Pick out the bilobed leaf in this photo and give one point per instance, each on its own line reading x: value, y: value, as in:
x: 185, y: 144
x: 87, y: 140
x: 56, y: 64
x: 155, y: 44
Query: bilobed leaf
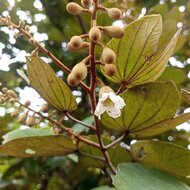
x: 139, y: 59
x: 134, y: 176
x: 30, y: 144
x: 146, y: 105
x: 165, y: 156
x: 49, y: 86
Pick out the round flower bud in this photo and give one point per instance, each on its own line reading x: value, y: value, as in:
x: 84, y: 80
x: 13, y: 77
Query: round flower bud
x: 11, y: 94
x: 79, y: 71
x: 71, y: 80
x: 114, y: 13
x: 95, y: 34
x: 23, y: 117
x: 76, y: 42
x: 31, y: 121
x: 4, y: 90
x: 27, y: 103
x: 108, y: 55
x: 110, y: 70
x: 113, y: 31
x: 86, y: 3
x: 44, y: 108
x: 74, y: 8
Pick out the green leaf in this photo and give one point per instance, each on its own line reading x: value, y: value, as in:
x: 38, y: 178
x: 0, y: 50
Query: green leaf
x: 117, y: 154
x: 79, y: 128
x: 146, y: 105
x: 134, y: 176
x: 162, y: 126
x: 29, y: 143
x: 105, y: 187
x: 165, y: 156
x: 139, y: 60
x: 30, y: 132
x: 49, y: 86
x: 175, y: 74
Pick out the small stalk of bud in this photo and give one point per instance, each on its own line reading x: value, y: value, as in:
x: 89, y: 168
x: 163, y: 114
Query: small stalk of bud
x: 23, y: 117
x: 114, y: 13
x: 95, y: 34
x: 110, y: 70
x: 71, y: 80
x: 44, y: 108
x: 80, y: 71
x: 74, y: 8
x: 32, y: 41
x: 108, y: 55
x: 31, y: 121
x: 86, y: 3
x: 113, y: 31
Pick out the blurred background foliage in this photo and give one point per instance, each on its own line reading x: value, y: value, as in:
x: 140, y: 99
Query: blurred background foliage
x: 52, y: 25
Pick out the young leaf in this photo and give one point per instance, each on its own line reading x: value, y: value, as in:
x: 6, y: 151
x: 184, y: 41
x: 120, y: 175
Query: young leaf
x: 29, y: 143
x: 146, y: 105
x: 139, y: 60
x: 49, y: 86
x: 134, y: 176
x: 104, y: 188
x: 165, y: 156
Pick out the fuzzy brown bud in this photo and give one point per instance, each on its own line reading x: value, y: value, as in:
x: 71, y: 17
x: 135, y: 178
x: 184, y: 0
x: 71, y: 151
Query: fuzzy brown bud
x: 4, y: 90
x: 114, y: 13
x: 31, y: 121
x: 110, y: 70
x: 11, y: 94
x: 108, y: 55
x: 76, y: 42
x: 27, y: 103
x: 44, y: 108
x: 23, y: 117
x: 71, y: 80
x: 27, y: 28
x: 80, y: 71
x: 95, y: 34
x: 74, y: 8
x: 32, y: 41
x: 86, y: 3
x: 113, y: 31
x: 84, y: 46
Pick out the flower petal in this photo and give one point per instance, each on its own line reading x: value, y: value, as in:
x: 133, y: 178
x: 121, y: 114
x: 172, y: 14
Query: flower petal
x: 113, y: 112
x: 99, y: 110
x: 104, y: 96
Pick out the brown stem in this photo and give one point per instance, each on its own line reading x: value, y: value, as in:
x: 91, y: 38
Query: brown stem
x: 115, y: 142
x: 80, y: 122
x: 48, y: 53
x: 92, y: 91
x: 68, y: 130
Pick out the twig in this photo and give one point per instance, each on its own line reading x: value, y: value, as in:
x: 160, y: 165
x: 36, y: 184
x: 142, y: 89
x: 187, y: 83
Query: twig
x: 68, y: 130
x: 80, y: 122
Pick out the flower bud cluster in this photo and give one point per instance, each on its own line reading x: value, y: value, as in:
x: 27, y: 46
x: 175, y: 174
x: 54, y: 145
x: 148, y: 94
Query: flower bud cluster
x: 7, y: 95
x: 76, y: 43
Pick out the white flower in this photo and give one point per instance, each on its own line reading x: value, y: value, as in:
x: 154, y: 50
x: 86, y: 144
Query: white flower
x: 111, y: 103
